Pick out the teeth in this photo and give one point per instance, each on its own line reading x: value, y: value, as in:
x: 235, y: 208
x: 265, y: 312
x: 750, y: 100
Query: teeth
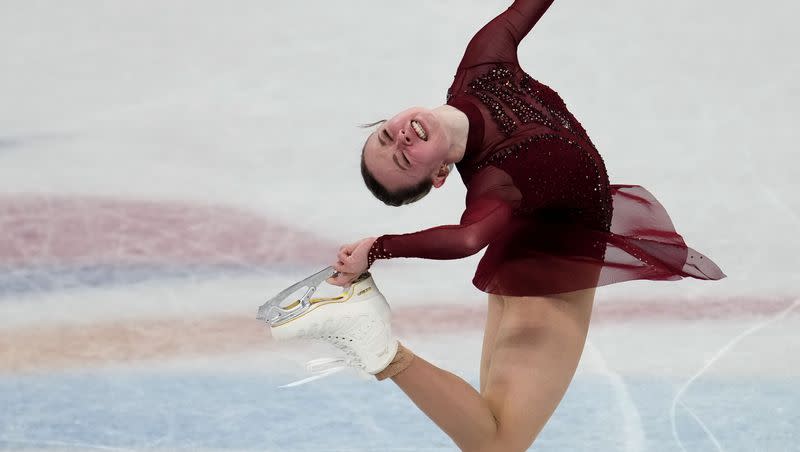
x: 419, y: 130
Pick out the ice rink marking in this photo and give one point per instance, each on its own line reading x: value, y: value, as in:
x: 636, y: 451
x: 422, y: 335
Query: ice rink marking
x: 632, y: 420
x: 722, y: 351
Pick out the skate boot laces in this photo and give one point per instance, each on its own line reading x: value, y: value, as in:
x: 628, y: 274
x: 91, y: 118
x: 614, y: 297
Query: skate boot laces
x: 323, y: 367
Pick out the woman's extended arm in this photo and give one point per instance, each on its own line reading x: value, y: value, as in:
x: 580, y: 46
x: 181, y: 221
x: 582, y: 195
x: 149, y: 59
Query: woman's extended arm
x: 523, y: 15
x: 483, y: 219
x: 497, y: 41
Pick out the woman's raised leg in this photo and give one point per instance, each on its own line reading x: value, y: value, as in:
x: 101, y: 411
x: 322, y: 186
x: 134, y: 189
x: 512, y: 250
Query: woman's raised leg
x: 449, y: 401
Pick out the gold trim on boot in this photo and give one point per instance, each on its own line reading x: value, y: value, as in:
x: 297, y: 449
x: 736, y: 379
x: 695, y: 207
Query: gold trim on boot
x: 402, y: 359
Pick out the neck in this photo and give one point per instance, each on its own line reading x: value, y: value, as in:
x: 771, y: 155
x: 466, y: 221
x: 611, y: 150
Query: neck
x: 456, y: 125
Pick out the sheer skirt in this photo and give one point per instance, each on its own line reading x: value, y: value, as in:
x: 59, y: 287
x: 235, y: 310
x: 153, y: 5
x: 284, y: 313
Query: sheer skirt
x: 554, y: 253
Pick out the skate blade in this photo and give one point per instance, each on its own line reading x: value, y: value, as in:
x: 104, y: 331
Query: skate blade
x: 272, y: 312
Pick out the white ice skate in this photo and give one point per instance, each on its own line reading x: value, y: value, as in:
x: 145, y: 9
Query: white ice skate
x: 358, y: 321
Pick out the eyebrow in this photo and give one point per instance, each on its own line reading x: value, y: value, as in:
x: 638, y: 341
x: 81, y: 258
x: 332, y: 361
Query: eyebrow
x: 394, y: 156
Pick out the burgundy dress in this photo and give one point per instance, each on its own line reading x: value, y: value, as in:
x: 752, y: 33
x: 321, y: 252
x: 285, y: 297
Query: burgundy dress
x: 537, y: 189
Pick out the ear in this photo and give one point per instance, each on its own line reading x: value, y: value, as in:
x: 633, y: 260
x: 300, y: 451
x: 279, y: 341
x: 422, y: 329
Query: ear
x: 440, y: 177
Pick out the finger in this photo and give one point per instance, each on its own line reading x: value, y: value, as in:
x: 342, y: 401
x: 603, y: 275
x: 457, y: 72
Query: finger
x: 343, y: 279
x: 347, y: 280
x: 336, y: 281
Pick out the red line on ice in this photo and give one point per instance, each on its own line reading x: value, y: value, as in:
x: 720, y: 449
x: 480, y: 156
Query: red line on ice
x: 35, y: 349
x: 47, y: 230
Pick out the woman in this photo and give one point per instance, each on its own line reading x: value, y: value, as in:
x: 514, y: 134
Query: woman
x: 538, y: 195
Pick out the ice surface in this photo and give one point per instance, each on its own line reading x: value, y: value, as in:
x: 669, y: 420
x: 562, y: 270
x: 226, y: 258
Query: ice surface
x: 164, y: 168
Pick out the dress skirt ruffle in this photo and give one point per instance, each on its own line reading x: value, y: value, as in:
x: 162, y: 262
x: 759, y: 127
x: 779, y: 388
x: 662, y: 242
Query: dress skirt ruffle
x: 549, y: 254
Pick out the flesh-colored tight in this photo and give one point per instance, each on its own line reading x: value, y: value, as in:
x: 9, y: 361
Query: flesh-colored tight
x: 531, y: 348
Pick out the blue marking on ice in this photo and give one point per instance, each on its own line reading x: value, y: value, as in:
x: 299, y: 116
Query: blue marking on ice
x: 191, y: 411
x: 53, y: 278
x: 7, y: 143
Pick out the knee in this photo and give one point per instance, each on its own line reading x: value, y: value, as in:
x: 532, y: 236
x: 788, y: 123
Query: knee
x: 503, y: 443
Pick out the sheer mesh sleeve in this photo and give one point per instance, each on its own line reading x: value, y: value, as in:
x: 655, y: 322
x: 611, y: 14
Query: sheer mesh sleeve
x: 498, y: 40
x: 481, y: 221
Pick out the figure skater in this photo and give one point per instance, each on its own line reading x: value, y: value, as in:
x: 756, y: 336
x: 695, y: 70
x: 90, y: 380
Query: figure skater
x: 538, y: 196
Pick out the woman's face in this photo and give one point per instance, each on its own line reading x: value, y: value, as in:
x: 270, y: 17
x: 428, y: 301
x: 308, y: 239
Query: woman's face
x: 399, y: 158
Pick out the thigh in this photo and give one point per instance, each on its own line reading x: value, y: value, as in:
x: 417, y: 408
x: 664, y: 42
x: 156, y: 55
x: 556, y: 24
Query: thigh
x: 538, y: 345
x: 493, y: 316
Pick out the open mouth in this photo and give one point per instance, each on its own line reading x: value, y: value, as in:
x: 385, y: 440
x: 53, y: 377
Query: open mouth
x: 419, y: 130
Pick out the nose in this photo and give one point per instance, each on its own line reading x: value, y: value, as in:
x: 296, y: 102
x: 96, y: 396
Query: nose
x: 405, y: 136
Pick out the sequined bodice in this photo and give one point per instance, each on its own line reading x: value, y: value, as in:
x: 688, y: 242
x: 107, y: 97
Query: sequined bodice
x: 531, y: 136
x: 519, y: 103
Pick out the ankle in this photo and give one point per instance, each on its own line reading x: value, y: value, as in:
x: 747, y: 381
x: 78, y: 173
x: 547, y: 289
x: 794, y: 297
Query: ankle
x: 402, y: 359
